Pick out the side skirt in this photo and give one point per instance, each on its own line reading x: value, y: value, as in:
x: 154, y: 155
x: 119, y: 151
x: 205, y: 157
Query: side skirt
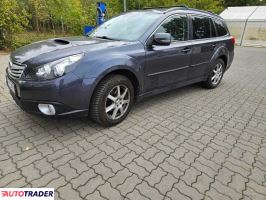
x: 170, y: 87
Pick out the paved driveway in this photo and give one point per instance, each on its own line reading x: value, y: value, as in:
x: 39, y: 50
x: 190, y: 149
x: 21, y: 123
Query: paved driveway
x: 190, y: 143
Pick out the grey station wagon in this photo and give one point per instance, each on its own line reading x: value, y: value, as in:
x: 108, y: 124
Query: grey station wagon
x: 129, y: 57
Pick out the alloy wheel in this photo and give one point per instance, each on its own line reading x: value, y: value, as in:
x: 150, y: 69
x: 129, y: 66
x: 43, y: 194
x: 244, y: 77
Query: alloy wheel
x: 117, y: 102
x: 217, y: 74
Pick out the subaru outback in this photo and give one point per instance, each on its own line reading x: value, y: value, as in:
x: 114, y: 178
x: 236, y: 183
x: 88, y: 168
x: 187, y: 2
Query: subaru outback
x: 129, y: 57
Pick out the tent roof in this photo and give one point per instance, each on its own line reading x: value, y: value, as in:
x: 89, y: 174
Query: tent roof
x: 259, y: 14
x: 254, y: 13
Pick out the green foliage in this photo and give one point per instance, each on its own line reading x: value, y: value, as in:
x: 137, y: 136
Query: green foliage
x: 70, y: 16
x: 227, y: 3
x: 68, y: 13
x: 22, y: 39
x: 13, y: 19
x: 211, y: 5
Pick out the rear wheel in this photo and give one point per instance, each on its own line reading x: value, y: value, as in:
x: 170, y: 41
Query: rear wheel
x: 215, y: 75
x: 112, y: 100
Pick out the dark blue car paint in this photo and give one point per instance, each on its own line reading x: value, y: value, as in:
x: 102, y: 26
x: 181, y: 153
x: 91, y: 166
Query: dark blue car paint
x: 155, y: 68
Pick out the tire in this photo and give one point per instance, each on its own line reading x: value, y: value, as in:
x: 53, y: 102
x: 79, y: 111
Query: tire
x: 212, y: 82
x: 106, y: 100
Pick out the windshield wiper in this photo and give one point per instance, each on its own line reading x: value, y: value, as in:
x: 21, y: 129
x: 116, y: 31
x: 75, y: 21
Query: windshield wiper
x: 106, y: 38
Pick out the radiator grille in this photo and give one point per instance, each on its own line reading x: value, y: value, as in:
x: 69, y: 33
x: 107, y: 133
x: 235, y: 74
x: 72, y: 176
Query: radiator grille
x: 15, y: 70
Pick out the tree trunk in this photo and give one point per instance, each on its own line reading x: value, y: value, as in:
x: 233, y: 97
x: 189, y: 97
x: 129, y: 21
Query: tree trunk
x: 35, y: 22
x: 52, y: 23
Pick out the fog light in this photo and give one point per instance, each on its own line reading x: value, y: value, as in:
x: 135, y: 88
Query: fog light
x: 47, y: 109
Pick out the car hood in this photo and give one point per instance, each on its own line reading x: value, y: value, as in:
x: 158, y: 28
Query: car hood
x: 52, y: 49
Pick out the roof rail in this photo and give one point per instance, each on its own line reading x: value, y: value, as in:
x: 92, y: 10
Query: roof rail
x: 206, y: 12
x: 180, y: 7
x: 183, y: 7
x: 209, y: 11
x: 169, y: 8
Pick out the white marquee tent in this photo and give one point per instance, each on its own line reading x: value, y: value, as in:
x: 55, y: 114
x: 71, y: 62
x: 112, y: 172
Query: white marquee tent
x: 247, y: 24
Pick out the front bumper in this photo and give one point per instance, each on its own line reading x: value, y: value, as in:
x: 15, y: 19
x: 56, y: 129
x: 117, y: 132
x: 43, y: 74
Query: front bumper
x: 31, y: 106
x: 68, y: 94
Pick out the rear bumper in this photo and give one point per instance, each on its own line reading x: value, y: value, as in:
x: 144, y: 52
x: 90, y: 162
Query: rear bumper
x: 230, y: 60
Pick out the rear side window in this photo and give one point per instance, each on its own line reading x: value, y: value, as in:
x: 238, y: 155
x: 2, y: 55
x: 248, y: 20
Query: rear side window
x: 220, y: 27
x: 177, y: 26
x: 201, y: 27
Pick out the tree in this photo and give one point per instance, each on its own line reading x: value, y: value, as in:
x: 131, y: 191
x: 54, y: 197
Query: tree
x: 208, y: 5
x: 227, y: 3
x: 211, y: 5
x: 70, y: 16
x: 13, y: 19
x: 38, y: 12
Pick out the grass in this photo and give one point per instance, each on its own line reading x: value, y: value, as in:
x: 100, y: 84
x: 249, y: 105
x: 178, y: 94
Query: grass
x: 22, y: 39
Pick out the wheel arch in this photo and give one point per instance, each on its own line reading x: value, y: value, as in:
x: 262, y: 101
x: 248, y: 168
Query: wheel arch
x: 224, y: 58
x: 220, y: 53
x: 132, y: 76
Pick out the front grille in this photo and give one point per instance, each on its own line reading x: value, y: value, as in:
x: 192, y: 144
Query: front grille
x: 15, y: 70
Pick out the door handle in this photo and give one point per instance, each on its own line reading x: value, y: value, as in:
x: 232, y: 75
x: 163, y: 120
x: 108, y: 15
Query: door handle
x: 186, y: 50
x: 214, y: 45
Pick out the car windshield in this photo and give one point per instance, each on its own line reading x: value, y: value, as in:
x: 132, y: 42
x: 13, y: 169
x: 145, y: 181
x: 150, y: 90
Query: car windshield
x: 130, y: 26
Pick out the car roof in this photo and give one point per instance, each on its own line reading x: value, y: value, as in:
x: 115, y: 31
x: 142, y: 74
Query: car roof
x: 179, y: 9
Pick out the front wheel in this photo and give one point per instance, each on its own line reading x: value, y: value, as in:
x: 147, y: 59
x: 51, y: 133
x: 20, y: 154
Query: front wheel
x: 215, y: 75
x: 112, y: 100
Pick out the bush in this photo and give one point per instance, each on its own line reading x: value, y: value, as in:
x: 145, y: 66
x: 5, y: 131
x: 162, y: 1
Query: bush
x: 22, y: 39
x: 12, y: 20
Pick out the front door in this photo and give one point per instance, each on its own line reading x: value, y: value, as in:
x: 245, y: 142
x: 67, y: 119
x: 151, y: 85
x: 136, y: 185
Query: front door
x: 168, y: 65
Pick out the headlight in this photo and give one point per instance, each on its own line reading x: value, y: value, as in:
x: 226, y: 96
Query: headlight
x: 54, y: 69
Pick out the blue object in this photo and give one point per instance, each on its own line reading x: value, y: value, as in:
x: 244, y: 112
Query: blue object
x: 101, y: 13
x: 88, y: 29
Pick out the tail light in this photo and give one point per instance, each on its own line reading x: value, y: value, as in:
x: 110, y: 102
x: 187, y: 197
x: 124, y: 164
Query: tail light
x: 233, y: 40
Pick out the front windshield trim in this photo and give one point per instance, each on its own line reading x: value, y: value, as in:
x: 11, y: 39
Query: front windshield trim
x: 106, y: 38
x: 113, y: 39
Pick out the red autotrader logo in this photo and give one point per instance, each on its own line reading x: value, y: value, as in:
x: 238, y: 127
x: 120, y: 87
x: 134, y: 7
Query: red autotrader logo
x: 27, y: 193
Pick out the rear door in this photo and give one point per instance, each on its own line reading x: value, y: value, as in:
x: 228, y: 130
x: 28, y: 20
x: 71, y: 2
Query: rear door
x: 203, y: 45
x: 167, y: 65
x: 223, y: 38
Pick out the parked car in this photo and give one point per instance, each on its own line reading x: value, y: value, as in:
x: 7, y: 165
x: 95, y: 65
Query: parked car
x: 129, y: 57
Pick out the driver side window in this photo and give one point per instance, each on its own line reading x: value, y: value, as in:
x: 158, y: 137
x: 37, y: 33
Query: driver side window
x: 177, y: 26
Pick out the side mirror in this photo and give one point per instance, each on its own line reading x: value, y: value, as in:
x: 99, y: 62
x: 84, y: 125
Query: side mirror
x: 162, y: 39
